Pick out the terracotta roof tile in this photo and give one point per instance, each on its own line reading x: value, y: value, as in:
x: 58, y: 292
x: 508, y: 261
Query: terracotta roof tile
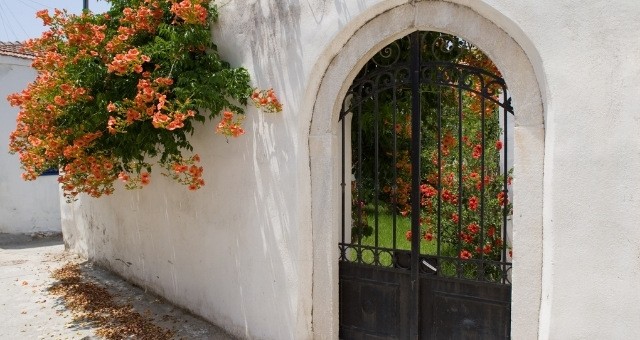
x: 14, y: 49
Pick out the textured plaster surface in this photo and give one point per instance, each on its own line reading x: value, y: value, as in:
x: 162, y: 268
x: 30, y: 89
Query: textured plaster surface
x: 25, y: 207
x: 255, y: 250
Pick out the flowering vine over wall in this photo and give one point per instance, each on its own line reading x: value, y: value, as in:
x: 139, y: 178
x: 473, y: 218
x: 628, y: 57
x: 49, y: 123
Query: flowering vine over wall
x: 117, y: 90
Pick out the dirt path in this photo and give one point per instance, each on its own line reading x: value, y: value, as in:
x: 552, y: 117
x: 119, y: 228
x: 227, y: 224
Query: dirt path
x: 30, y: 311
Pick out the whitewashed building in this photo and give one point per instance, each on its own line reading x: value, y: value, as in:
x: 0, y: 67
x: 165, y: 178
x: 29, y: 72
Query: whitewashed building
x: 256, y: 250
x: 25, y: 207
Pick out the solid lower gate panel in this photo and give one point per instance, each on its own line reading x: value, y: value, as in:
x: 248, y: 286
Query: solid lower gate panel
x: 374, y: 302
x: 452, y: 309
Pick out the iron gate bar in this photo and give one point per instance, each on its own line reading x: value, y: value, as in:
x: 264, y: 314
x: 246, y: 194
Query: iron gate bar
x: 416, y: 122
x: 505, y: 195
x: 482, y: 174
x: 376, y: 172
x: 438, y: 251
x: 343, y: 185
x: 359, y: 183
x: 394, y: 185
x: 460, y: 217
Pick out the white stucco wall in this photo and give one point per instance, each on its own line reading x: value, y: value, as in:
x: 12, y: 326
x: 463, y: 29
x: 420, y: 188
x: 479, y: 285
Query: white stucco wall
x: 254, y: 251
x: 25, y: 207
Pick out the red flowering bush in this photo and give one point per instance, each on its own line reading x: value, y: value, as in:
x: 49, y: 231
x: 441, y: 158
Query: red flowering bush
x: 462, y: 200
x: 460, y: 216
x: 118, y: 91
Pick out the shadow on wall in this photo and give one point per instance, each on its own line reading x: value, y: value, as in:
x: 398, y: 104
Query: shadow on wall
x: 277, y: 54
x: 277, y: 57
x: 274, y: 42
x: 343, y: 10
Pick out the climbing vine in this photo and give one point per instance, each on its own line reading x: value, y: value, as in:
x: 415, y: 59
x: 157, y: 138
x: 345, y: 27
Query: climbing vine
x: 118, y: 92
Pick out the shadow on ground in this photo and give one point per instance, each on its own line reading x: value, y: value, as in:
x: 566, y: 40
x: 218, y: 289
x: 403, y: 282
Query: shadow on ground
x: 30, y: 311
x: 35, y: 240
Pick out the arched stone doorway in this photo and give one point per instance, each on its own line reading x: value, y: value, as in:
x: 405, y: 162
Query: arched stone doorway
x: 325, y: 152
x: 426, y: 161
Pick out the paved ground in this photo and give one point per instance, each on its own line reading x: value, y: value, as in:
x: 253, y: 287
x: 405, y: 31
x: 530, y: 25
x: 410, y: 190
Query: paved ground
x: 28, y: 311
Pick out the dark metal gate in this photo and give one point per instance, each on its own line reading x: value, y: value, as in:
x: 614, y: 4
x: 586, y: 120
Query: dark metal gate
x: 425, y: 195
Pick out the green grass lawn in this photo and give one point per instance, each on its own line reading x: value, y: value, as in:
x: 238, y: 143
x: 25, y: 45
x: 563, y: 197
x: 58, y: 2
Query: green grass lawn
x: 447, y: 267
x: 385, y: 235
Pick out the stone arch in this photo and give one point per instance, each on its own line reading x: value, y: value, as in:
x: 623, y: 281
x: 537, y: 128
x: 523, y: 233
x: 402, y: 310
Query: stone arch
x: 365, y: 38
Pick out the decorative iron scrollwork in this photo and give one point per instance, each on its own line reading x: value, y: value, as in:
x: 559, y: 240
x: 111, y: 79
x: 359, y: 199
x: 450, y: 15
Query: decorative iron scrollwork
x: 443, y: 64
x: 441, y: 46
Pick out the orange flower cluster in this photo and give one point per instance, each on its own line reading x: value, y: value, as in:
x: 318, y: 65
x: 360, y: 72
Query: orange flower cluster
x: 36, y: 138
x: 128, y: 62
x: 132, y: 181
x: 91, y: 174
x: 145, y: 18
x: 229, y: 126
x: 424, y: 235
x: 191, y: 11
x: 502, y: 198
x: 471, y: 239
x: 186, y: 171
x: 85, y: 36
x: 266, y: 100
x: 173, y: 121
x: 81, y: 37
x: 465, y: 254
x: 45, y: 17
x: 48, y: 60
x: 150, y: 103
x: 403, y: 129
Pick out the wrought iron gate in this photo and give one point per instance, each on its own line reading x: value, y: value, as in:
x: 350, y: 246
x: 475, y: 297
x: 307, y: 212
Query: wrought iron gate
x: 425, y: 195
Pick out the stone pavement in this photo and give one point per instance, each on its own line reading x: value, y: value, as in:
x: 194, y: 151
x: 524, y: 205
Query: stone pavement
x: 28, y: 311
